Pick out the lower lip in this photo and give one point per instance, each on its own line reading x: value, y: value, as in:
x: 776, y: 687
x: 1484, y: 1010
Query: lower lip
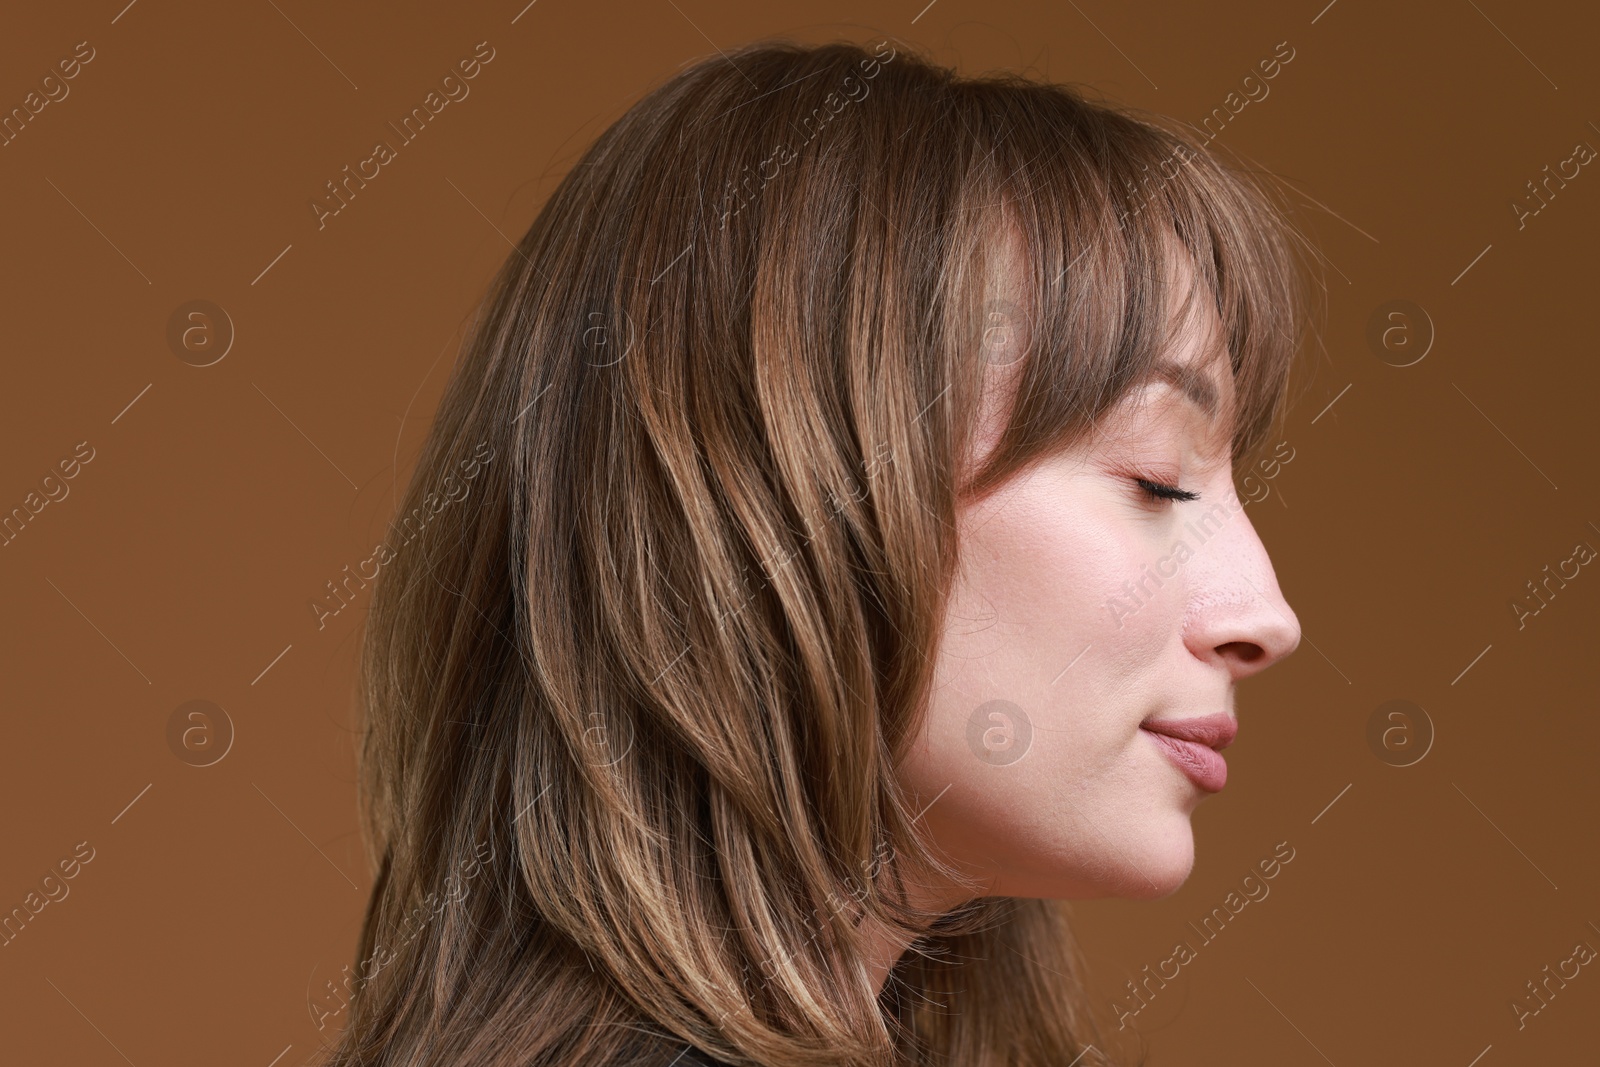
x: 1203, y: 766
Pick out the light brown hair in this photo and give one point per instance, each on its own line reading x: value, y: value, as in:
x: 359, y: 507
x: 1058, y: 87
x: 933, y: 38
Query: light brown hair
x: 649, y: 679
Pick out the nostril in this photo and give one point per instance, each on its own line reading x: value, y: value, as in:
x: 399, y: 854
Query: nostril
x: 1245, y: 651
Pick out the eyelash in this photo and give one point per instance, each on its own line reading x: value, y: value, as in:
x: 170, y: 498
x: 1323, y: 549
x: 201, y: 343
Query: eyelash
x: 1156, y: 492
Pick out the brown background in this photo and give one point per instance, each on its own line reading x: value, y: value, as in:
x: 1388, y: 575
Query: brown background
x: 220, y: 499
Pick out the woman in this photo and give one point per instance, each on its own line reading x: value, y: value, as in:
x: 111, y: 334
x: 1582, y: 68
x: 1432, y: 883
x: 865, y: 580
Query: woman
x: 827, y: 564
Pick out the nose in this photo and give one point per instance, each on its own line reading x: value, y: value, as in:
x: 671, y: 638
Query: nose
x: 1236, y: 613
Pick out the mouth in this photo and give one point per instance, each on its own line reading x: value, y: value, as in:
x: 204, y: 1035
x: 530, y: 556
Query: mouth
x: 1193, y: 745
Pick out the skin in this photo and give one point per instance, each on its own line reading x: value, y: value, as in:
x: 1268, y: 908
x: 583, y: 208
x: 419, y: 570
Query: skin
x: 1093, y: 808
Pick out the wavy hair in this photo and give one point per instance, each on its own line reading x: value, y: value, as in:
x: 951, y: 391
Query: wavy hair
x: 649, y: 680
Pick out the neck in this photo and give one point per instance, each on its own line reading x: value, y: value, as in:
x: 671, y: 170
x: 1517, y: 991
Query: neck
x: 884, y: 948
x: 883, y: 953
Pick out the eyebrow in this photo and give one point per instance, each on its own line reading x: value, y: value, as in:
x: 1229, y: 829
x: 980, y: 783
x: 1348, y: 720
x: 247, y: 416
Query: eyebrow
x: 1194, y: 385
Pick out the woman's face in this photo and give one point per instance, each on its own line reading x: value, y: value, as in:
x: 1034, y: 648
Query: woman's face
x: 1082, y: 610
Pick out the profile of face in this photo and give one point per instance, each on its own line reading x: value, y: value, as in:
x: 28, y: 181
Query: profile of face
x: 1086, y: 608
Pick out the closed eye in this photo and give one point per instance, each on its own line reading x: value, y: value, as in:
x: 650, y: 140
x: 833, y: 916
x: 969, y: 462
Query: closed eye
x: 1159, y: 492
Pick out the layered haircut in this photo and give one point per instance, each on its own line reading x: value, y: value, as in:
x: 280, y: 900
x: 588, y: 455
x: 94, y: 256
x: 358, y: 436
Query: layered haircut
x: 651, y: 680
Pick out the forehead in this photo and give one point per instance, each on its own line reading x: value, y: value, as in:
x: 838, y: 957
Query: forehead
x: 1195, y: 362
x: 1191, y: 382
x: 1192, y: 379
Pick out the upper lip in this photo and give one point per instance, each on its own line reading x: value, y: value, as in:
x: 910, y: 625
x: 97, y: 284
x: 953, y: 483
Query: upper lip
x: 1214, y: 731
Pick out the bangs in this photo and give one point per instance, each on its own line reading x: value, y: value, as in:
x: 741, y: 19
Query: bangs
x: 1109, y: 217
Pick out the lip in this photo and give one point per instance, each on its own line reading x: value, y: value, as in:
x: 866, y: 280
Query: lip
x: 1192, y: 745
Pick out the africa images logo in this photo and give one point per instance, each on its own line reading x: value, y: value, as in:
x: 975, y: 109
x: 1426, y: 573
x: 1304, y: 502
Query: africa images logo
x: 409, y: 527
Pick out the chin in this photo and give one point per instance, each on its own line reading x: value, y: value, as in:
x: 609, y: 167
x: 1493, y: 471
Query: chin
x: 1164, y: 864
x: 1150, y: 868
x: 1172, y: 861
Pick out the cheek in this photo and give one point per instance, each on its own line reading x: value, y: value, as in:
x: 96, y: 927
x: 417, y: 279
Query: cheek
x: 1032, y: 654
x: 1038, y: 618
x: 1040, y: 586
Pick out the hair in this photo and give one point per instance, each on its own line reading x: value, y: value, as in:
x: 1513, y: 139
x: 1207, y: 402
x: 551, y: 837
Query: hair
x: 678, y: 545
